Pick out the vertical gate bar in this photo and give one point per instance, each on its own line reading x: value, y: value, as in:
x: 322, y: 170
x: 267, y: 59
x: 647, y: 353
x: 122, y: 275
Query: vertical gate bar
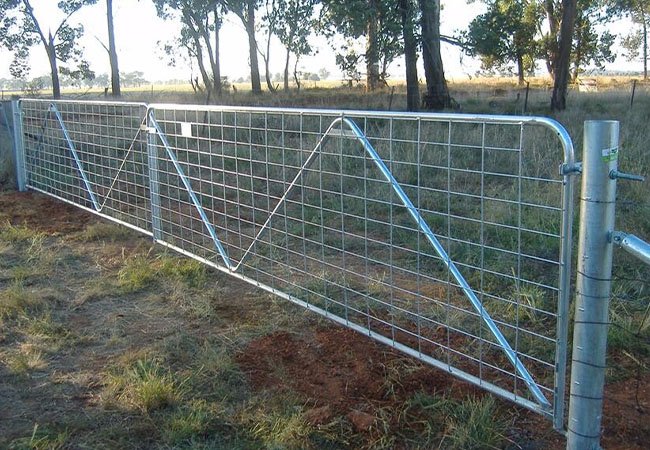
x: 19, y: 146
x: 564, y: 296
x: 154, y: 184
x: 593, y: 284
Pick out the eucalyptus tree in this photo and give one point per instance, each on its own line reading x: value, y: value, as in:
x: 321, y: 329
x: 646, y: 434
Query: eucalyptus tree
x: 591, y: 47
x: 378, y: 21
x: 506, y: 33
x: 636, y: 42
x: 294, y: 24
x: 112, y: 51
x: 563, y: 60
x: 21, y: 29
x: 245, y: 10
x: 437, y: 96
x: 201, y: 22
x: 408, y: 12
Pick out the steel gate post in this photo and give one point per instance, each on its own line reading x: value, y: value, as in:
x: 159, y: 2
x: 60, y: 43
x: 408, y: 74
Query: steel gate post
x: 593, y: 284
x: 152, y: 157
x: 19, y: 147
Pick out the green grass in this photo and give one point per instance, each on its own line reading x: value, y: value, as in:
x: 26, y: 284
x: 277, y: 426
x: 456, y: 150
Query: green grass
x: 42, y: 438
x: 104, y: 231
x: 136, y: 274
x: 144, y: 386
x: 19, y: 234
x: 17, y: 300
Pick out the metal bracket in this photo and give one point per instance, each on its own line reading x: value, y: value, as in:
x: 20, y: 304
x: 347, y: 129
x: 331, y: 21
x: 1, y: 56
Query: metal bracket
x: 570, y: 169
x: 616, y: 175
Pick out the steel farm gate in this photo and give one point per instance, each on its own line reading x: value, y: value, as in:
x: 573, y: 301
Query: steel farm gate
x: 445, y: 236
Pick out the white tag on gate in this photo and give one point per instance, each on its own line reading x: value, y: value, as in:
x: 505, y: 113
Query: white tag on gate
x: 186, y: 129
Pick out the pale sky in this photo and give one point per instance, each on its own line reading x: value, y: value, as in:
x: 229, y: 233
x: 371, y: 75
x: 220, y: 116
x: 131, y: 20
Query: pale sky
x: 138, y: 31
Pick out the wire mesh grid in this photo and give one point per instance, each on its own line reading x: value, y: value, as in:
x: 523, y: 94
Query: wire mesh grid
x: 443, y: 236
x: 91, y: 154
x: 295, y: 201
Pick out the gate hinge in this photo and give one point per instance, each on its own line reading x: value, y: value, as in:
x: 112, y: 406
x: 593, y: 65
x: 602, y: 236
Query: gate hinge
x: 568, y: 169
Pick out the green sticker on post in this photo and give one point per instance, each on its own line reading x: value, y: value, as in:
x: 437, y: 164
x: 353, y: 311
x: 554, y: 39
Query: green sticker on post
x: 610, y: 154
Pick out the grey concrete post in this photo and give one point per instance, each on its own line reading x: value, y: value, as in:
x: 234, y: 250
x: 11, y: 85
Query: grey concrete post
x: 593, y: 284
x: 19, y: 148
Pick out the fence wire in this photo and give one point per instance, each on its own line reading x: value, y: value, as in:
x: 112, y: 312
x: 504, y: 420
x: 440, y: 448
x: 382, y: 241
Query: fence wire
x: 340, y: 212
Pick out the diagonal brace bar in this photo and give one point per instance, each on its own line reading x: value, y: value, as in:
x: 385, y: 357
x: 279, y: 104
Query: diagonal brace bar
x: 358, y: 135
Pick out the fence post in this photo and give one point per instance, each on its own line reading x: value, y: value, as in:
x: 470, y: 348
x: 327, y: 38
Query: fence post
x: 152, y: 153
x: 19, y: 147
x: 593, y: 284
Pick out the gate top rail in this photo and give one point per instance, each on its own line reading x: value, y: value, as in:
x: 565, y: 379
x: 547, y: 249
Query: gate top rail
x: 562, y: 133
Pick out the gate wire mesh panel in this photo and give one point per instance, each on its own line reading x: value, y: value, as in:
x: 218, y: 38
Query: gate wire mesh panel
x: 296, y: 202
x: 91, y: 154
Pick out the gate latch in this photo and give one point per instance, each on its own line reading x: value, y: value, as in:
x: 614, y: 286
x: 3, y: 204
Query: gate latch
x: 616, y: 175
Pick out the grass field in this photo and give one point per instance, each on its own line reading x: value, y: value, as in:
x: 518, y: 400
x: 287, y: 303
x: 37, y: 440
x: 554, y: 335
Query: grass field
x: 109, y: 343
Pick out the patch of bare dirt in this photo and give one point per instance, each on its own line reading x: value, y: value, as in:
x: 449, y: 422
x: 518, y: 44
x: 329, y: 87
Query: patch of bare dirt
x: 43, y: 213
x: 345, y: 374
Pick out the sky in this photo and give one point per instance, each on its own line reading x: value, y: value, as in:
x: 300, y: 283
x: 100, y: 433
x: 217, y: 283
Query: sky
x: 139, y: 33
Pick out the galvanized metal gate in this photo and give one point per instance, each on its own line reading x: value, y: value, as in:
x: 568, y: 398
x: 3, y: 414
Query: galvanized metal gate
x: 444, y: 236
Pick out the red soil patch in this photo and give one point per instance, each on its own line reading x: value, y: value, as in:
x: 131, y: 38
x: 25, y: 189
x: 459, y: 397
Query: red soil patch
x: 43, y: 213
x: 344, y: 374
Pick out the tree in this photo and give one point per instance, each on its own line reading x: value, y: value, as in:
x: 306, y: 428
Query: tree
x: 562, y: 62
x: 635, y: 43
x: 437, y: 96
x: 112, y: 51
x: 407, y: 11
x: 506, y: 33
x: 201, y: 22
x: 269, y: 21
x: 293, y: 28
x: 20, y: 30
x: 376, y: 20
x: 590, y: 47
x: 245, y: 10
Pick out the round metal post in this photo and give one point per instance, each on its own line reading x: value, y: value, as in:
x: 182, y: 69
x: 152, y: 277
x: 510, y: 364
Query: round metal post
x: 593, y: 284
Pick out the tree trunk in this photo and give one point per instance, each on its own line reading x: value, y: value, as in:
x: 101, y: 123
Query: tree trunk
x: 286, y: 70
x: 520, y: 70
x: 410, y: 56
x: 267, y: 70
x: 558, y: 100
x: 112, y: 51
x: 295, y: 72
x: 372, y: 51
x: 216, y: 62
x: 554, y: 27
x: 51, y: 56
x: 256, y: 85
x: 645, y: 47
x: 437, y: 96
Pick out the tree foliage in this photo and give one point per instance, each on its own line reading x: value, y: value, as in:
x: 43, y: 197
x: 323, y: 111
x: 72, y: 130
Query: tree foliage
x: 506, y: 34
x: 379, y: 22
x: 295, y: 20
x: 636, y: 42
x: 201, y: 21
x: 20, y: 30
